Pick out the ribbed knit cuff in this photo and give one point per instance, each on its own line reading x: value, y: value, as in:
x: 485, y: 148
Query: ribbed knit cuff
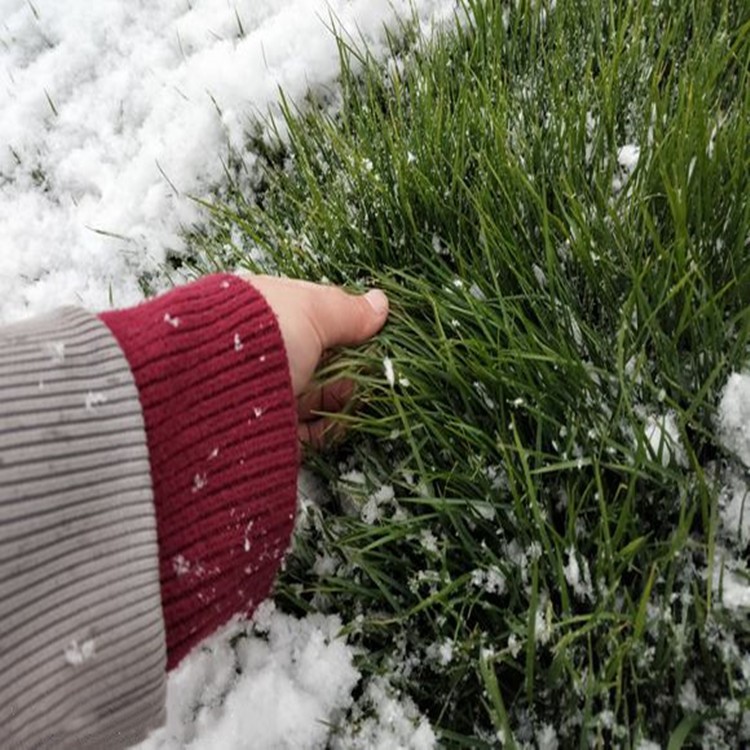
x: 214, y: 384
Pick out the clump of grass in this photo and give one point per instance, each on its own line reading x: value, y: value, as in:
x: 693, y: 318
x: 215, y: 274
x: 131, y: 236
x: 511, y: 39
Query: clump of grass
x: 522, y: 522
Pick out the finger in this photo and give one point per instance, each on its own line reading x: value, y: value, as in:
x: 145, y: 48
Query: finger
x: 342, y: 319
x: 330, y: 398
x: 319, y: 433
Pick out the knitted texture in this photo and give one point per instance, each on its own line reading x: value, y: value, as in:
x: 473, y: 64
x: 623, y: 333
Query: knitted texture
x: 214, y: 384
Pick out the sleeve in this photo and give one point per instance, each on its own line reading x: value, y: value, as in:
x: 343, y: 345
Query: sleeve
x: 213, y: 378
x: 148, y: 467
x: 82, y: 645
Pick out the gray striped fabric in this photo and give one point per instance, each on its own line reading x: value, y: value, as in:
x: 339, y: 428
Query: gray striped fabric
x: 82, y: 645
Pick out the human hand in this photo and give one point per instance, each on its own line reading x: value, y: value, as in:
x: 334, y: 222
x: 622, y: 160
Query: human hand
x: 314, y: 318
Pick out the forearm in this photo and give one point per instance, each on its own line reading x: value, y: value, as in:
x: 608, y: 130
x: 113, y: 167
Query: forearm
x: 147, y: 491
x: 214, y: 384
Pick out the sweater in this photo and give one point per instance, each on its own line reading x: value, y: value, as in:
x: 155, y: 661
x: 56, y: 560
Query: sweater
x: 148, y: 465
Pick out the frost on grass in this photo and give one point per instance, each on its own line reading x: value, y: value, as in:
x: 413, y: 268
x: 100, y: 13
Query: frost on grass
x: 382, y: 720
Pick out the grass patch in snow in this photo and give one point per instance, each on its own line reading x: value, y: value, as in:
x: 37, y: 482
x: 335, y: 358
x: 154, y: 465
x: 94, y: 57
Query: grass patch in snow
x: 524, y: 524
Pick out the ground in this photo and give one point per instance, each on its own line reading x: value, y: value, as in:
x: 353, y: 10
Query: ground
x: 536, y: 534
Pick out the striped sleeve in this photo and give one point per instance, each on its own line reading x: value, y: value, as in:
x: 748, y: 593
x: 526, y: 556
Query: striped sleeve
x: 82, y: 642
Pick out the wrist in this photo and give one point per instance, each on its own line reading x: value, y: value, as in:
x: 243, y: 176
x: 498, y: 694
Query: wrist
x: 213, y: 380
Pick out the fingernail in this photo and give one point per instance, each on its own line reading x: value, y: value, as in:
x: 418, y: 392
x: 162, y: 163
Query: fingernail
x: 378, y: 301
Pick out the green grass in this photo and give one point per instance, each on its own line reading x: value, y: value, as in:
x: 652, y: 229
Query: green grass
x: 540, y: 317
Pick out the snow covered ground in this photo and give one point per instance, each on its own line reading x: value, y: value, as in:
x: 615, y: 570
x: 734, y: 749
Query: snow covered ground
x: 113, y: 114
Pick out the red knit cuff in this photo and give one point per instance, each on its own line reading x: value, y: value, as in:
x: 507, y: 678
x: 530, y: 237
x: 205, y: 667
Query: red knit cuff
x: 217, y: 399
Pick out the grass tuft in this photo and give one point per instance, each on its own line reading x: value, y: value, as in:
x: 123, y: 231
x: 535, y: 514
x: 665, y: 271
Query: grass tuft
x: 522, y: 529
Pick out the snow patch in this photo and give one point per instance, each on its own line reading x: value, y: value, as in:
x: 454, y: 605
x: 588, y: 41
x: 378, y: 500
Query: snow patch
x: 277, y: 682
x: 664, y: 440
x: 628, y: 156
x: 731, y: 579
x: 114, y: 115
x: 578, y: 576
x: 733, y: 417
x: 734, y: 508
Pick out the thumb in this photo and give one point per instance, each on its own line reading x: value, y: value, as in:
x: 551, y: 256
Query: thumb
x: 343, y: 319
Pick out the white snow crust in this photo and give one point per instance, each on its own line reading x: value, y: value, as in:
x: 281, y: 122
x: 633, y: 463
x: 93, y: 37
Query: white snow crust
x: 114, y: 113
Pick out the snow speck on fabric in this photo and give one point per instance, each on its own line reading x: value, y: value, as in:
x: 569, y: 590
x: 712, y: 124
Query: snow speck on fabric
x: 77, y: 654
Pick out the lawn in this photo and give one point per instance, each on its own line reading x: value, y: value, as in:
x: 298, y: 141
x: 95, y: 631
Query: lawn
x: 535, y: 524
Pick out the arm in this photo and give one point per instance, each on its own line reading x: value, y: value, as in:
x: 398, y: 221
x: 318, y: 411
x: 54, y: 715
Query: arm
x: 162, y: 490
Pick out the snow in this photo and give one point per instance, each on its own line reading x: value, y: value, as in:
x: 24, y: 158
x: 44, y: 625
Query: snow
x: 627, y: 160
x: 663, y: 436
x: 93, y: 400
x: 734, y: 508
x: 628, y: 156
x: 180, y: 565
x: 199, y: 482
x: 390, y: 376
x: 731, y: 578
x: 396, y: 723
x: 546, y: 738
x: 282, y: 682
x: 115, y: 114
x: 77, y: 654
x: 731, y: 574
x: 275, y: 683
x: 578, y: 576
x: 733, y: 417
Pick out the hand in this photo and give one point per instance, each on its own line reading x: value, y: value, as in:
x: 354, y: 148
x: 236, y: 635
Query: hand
x: 314, y: 318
